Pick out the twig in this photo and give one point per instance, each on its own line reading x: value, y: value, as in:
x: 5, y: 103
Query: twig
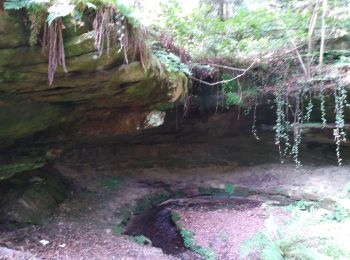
x: 224, y: 67
x: 224, y: 81
x: 295, y: 48
x: 287, y: 52
x: 323, y: 32
x: 300, y: 58
x: 310, y: 33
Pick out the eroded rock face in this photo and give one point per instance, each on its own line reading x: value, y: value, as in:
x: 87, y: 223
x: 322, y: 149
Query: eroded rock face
x: 98, y: 97
x: 31, y: 197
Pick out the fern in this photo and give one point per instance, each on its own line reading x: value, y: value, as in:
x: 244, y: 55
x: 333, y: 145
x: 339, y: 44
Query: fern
x: 272, y: 251
x: 272, y: 244
x: 171, y: 62
x: 253, y: 244
x: 60, y: 10
x: 19, y: 4
x: 299, y: 251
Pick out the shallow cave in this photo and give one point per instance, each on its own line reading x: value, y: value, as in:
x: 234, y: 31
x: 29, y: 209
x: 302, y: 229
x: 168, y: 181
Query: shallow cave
x: 121, y: 159
x: 170, y: 189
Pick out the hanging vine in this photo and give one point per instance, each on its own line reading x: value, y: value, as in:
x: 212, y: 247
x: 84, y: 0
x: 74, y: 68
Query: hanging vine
x: 37, y: 18
x: 254, y: 131
x: 53, y: 44
x: 297, y: 131
x: 309, y: 108
x: 282, y: 125
x: 103, y: 26
x: 113, y: 28
x: 339, y: 132
x: 323, y: 106
x: 112, y: 24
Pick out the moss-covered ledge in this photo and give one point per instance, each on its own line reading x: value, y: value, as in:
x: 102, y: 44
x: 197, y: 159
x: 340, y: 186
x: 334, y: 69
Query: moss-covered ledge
x: 98, y: 97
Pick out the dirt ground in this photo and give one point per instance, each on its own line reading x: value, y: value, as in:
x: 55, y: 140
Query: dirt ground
x: 84, y: 225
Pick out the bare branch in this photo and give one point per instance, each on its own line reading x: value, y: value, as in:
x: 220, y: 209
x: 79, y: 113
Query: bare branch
x: 323, y: 32
x: 224, y: 67
x: 310, y: 33
x: 224, y: 81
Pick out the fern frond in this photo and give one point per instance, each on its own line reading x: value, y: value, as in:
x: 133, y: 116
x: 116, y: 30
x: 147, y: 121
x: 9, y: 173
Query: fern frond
x: 254, y: 244
x: 272, y: 252
x: 305, y: 253
x: 19, y: 4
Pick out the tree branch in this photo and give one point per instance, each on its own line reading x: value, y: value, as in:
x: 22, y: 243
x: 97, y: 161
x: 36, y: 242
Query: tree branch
x: 224, y: 67
x: 224, y: 81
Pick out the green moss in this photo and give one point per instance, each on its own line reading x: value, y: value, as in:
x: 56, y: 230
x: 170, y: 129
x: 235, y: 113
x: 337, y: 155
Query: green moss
x: 12, y: 32
x: 163, y: 106
x: 119, y: 229
x: 206, y: 191
x: 338, y: 214
x: 22, y: 56
x: 347, y: 189
x: 33, y: 201
x: 10, y: 75
x: 112, y: 183
x: 175, y: 217
x: 141, y: 240
x: 141, y: 91
x: 23, y: 118
x: 9, y: 170
x: 229, y: 188
x: 188, y: 238
x: 129, y: 73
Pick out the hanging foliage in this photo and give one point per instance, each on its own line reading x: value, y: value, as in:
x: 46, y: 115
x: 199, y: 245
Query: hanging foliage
x: 53, y: 44
x: 103, y: 28
x: 112, y: 24
x: 112, y: 28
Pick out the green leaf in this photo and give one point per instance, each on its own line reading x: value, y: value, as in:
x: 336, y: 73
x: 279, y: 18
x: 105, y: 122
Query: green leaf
x: 59, y: 10
x: 91, y: 5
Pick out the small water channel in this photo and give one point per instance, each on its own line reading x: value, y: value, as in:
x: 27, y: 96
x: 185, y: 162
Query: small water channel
x: 157, y: 223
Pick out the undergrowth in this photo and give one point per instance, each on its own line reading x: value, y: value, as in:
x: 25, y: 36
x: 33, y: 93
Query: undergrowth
x: 311, y: 232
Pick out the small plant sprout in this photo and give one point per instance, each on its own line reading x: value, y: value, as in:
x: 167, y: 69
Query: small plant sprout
x: 229, y: 188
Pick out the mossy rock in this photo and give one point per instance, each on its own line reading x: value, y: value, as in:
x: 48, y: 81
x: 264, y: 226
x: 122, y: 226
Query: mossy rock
x: 25, y: 118
x: 12, y: 31
x: 98, y: 97
x: 31, y: 197
x: 9, y: 169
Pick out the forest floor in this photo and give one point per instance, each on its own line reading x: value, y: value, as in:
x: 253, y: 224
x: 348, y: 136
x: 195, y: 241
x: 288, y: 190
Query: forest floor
x: 85, y: 225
